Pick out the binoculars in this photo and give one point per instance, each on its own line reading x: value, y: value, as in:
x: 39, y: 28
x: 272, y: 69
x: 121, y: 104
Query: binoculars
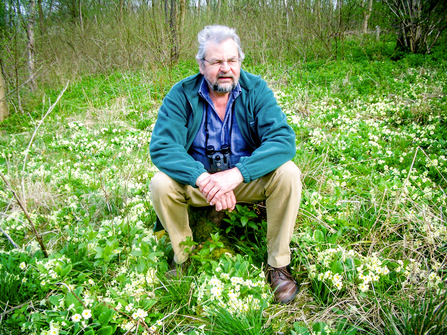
x: 219, y: 159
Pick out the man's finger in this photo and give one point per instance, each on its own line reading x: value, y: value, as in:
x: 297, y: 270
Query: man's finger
x: 232, y: 201
x: 213, y: 196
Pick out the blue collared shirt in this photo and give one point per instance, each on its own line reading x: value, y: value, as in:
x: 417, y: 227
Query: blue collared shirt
x: 220, y: 132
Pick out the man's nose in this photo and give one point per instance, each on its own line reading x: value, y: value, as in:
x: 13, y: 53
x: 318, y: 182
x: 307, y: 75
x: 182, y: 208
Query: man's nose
x: 225, y: 67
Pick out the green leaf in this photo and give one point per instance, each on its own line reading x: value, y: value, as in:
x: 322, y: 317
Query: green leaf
x: 320, y: 327
x: 113, y: 293
x: 137, y: 253
x: 54, y: 299
x: 319, y: 236
x: 90, y: 332
x: 107, y: 330
x: 105, y: 317
x: 66, y: 270
x: 149, y: 303
x: 144, y: 248
x: 300, y: 329
x: 253, y: 225
x: 70, y: 299
x: 141, y: 267
x: 244, y: 221
x: 337, y: 267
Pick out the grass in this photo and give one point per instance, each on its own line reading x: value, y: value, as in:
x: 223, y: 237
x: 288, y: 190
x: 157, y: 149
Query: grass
x: 371, y: 229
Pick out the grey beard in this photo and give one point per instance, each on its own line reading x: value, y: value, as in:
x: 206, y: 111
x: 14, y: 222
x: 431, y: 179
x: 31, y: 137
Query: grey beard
x: 221, y: 89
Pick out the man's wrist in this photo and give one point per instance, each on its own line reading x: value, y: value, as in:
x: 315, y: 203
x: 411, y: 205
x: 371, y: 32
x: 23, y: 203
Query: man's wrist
x: 237, y: 172
x: 201, y: 177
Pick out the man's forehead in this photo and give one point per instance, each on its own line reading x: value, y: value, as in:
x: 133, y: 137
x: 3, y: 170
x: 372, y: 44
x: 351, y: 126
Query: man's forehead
x: 227, y: 46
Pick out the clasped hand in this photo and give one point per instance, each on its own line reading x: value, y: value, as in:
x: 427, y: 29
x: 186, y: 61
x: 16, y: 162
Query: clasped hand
x: 217, y: 188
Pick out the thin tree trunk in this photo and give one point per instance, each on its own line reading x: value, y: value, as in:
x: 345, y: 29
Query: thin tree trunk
x: 3, y: 106
x: 166, y: 12
x: 181, y: 16
x: 41, y: 16
x: 121, y: 5
x: 31, y: 46
x: 173, y: 28
x: 368, y: 12
x: 81, y: 22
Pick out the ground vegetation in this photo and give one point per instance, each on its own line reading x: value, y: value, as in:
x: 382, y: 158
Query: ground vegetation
x: 369, y: 247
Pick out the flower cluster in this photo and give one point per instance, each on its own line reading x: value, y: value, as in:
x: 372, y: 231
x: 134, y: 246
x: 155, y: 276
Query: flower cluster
x: 236, y: 292
x: 327, y: 261
x: 414, y: 274
x: 370, y: 271
x: 50, y: 269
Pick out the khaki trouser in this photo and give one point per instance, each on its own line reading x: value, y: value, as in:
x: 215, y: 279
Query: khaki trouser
x: 281, y: 190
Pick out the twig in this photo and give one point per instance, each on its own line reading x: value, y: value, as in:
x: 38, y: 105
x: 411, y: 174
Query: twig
x: 13, y: 308
x: 9, y: 238
x: 1, y: 315
x: 9, y: 216
x: 128, y: 332
x: 70, y: 290
x: 35, y: 132
x: 33, y: 228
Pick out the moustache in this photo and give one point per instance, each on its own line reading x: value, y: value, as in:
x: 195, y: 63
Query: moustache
x: 226, y: 76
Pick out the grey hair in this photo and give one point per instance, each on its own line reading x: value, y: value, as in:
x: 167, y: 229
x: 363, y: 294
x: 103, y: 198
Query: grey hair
x: 217, y: 34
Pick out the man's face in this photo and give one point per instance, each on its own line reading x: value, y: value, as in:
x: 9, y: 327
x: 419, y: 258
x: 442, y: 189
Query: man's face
x: 221, y: 78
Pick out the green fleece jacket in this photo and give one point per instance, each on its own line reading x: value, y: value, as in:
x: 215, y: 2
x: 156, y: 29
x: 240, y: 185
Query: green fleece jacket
x: 262, y: 124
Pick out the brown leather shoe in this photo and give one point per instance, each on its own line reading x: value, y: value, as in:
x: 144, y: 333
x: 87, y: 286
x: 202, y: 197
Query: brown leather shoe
x: 285, y: 288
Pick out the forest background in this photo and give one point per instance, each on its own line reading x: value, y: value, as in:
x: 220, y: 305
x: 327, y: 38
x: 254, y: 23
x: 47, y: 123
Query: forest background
x: 363, y: 83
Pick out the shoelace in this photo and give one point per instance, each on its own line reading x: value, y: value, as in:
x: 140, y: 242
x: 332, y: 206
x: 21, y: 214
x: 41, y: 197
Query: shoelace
x: 280, y: 272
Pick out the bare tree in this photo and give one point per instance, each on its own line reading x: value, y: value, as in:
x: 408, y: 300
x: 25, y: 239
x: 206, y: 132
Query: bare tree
x: 420, y: 23
x: 176, y: 19
x: 368, y: 4
x: 3, y: 106
x: 31, y: 46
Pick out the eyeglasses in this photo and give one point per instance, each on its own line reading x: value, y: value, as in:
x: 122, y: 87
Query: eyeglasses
x: 219, y: 62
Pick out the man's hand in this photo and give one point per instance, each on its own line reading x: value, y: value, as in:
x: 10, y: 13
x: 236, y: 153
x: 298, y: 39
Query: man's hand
x: 218, y: 188
x: 228, y: 201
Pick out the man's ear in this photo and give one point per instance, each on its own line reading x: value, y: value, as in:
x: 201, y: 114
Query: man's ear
x: 200, y: 62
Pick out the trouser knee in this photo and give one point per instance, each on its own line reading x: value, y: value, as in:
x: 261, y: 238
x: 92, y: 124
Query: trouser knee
x: 160, y: 184
x: 289, y: 174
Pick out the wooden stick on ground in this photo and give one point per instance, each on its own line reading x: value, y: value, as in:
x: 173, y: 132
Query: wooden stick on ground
x: 33, y: 228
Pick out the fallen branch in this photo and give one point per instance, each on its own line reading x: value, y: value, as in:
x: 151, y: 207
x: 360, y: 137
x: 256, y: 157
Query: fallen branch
x: 13, y: 309
x: 35, y: 132
x: 33, y: 228
x: 9, y: 239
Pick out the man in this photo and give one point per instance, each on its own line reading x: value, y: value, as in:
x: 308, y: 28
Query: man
x: 221, y: 138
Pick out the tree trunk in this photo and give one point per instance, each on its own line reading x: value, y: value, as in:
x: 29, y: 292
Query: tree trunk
x: 31, y: 46
x: 182, y: 15
x: 3, y: 106
x: 173, y: 28
x: 420, y: 22
x: 121, y: 5
x: 367, y: 16
x: 41, y: 16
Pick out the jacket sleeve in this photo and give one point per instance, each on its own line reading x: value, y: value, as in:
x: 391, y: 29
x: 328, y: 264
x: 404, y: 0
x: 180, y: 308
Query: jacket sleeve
x: 276, y: 137
x: 169, y: 139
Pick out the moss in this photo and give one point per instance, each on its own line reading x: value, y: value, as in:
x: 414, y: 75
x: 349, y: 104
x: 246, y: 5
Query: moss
x: 204, y: 221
